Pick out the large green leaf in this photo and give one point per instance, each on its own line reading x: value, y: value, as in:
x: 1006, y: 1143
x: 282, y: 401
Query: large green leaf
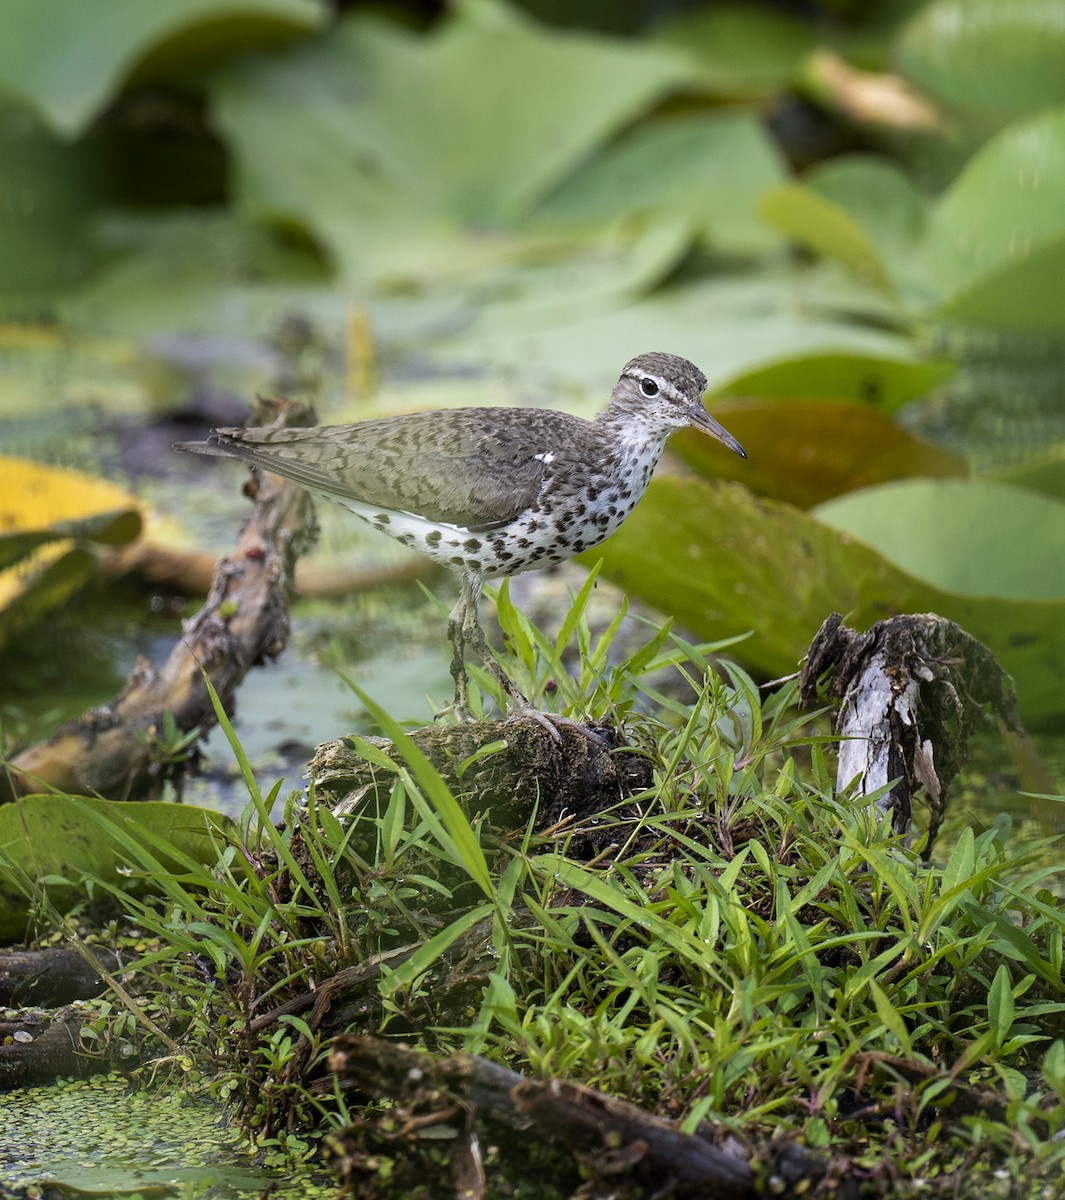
x: 724, y: 562
x: 1000, y: 57
x: 974, y: 538
x: 1027, y: 295
x: 805, y: 452
x: 61, y: 836
x: 883, y: 202
x: 989, y: 252
x: 709, y: 169
x: 885, y: 383
x: 209, y: 272
x: 67, y: 58
x: 376, y: 132
x: 742, y: 49
x: 1004, y: 208
x: 728, y: 325
x: 1045, y: 475
x: 826, y: 227
x: 47, y: 195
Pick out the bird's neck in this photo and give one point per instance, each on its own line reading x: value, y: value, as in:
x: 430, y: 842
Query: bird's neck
x: 636, y: 436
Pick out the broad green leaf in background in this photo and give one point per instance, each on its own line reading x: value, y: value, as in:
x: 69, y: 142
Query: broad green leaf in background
x: 55, y: 835
x: 973, y: 538
x: 876, y: 193
x: 47, y: 195
x: 1026, y: 295
x: 67, y: 59
x: 805, y: 452
x: 724, y: 562
x: 989, y: 252
x: 210, y: 273
x: 825, y: 226
x: 727, y: 325
x: 749, y: 49
x: 1045, y: 475
x: 471, y: 126
x: 885, y: 383
x: 562, y: 279
x: 709, y: 169
x: 999, y: 58
x: 1004, y: 209
x: 884, y: 203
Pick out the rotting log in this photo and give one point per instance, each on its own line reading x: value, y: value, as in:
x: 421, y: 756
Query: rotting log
x: 558, y: 1130
x: 38, y: 1047
x: 243, y: 623
x: 52, y: 976
x: 507, y: 766
x: 910, y: 693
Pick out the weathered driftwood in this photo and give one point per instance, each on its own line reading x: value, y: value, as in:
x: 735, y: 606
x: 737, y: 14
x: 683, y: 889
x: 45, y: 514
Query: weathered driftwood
x: 244, y: 622
x: 55, y: 975
x: 911, y: 692
x: 478, y: 1101
x: 37, y: 1047
x: 190, y: 572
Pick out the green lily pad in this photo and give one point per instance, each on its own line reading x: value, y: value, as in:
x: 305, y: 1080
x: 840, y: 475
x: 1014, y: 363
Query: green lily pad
x: 747, y: 49
x: 1000, y: 57
x: 468, y: 128
x: 886, y: 383
x: 72, y: 837
x: 1045, y: 475
x: 707, y: 169
x: 973, y: 538
x: 1003, y: 209
x: 198, y: 272
x: 805, y: 452
x: 826, y: 227
x: 725, y: 562
x: 1027, y: 296
x: 68, y: 59
x: 883, y: 202
x: 50, y: 191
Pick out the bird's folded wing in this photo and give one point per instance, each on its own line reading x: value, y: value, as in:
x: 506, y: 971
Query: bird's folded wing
x: 459, y: 467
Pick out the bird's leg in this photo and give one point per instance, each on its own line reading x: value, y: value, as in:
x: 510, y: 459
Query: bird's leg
x: 464, y: 629
x: 473, y: 636
x: 456, y: 625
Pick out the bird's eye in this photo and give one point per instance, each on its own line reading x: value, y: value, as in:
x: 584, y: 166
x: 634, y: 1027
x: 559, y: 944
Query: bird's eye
x: 648, y: 387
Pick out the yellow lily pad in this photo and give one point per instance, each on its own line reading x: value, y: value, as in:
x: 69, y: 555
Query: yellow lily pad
x: 45, y: 514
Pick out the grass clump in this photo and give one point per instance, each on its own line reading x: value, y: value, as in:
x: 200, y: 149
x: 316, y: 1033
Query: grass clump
x: 735, y: 944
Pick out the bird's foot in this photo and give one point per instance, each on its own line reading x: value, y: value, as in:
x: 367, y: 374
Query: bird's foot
x: 554, y: 723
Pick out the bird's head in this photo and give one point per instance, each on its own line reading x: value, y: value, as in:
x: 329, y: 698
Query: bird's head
x: 665, y: 392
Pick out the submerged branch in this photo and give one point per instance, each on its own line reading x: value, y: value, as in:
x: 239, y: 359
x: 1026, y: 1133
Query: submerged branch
x: 113, y: 750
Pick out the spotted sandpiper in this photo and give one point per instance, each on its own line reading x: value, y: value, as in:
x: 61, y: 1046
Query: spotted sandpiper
x: 491, y: 492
